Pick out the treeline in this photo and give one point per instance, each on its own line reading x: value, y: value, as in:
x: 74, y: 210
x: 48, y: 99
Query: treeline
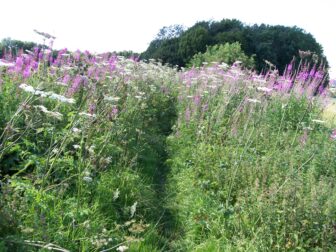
x: 276, y: 44
x: 12, y: 47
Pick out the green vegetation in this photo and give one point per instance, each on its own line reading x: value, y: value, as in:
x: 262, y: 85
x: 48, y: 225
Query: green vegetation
x: 276, y: 44
x: 103, y: 153
x: 227, y: 53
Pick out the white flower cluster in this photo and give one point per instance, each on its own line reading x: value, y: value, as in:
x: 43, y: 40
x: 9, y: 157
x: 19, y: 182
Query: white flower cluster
x: 56, y: 115
x: 51, y: 95
x: 111, y: 99
x: 6, y: 64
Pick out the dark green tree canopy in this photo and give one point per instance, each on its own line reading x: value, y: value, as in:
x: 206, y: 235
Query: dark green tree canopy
x: 13, y: 46
x: 276, y: 44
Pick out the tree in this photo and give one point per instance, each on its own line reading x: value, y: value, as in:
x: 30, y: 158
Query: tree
x: 193, y: 41
x: 277, y: 44
x: 15, y: 46
x: 169, y: 32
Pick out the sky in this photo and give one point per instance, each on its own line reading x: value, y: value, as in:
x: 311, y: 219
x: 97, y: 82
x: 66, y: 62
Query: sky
x: 107, y: 25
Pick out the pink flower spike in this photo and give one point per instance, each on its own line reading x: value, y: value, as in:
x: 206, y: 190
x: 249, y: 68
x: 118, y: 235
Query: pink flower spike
x: 333, y: 135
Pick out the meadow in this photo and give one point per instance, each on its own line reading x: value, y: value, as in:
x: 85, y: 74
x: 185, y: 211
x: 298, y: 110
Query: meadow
x: 105, y: 153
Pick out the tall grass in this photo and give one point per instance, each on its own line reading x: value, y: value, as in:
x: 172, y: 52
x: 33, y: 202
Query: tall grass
x: 103, y: 153
x: 253, y: 164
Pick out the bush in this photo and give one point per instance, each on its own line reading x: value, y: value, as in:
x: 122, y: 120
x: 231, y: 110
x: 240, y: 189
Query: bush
x: 224, y: 53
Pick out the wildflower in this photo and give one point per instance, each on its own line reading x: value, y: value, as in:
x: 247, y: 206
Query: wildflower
x: 116, y: 194
x: 19, y: 64
x: 289, y: 68
x: 75, y: 85
x: 76, y: 146
x: 197, y: 100
x: 92, y: 108
x: 133, y: 208
x: 318, y: 121
x: 87, y: 173
x: 87, y: 179
x: 333, y: 135
x: 26, y: 72
x: 56, y: 115
x: 264, y: 89
x: 62, y: 98
x: 237, y: 63
x: 114, y: 112
x: 111, y: 99
x: 205, y: 107
x: 27, y: 88
x: 122, y: 248
x: 66, y: 79
x: 304, y: 54
x: 76, y: 130
x: 87, y: 115
x: 253, y: 100
x: 92, y: 149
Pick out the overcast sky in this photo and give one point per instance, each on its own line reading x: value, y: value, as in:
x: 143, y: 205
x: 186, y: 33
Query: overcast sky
x: 106, y: 25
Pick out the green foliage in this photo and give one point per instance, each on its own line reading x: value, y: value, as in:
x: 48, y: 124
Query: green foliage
x: 154, y: 159
x: 252, y: 176
x: 13, y: 46
x: 227, y: 53
x: 276, y: 44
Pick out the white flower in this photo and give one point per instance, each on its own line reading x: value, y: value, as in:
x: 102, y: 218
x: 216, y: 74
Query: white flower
x: 62, y: 98
x: 318, y: 121
x: 264, y: 89
x: 87, y: 179
x: 91, y: 149
x: 116, y: 194
x: 27, y: 88
x: 76, y: 130
x: 56, y: 115
x: 122, y: 248
x: 42, y: 93
x: 86, y: 173
x: 253, y: 100
x: 112, y: 99
x: 6, y: 64
x: 133, y: 208
x: 61, y: 84
x: 87, y: 114
x: 76, y: 146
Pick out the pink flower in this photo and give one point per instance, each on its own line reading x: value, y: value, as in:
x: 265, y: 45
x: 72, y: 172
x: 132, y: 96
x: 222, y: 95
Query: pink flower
x: 333, y: 135
x: 75, y: 85
x: 92, y: 108
x: 18, y: 64
x: 114, y: 112
x: 304, y: 137
x: 197, y: 100
x: 66, y: 79
x: 26, y: 72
